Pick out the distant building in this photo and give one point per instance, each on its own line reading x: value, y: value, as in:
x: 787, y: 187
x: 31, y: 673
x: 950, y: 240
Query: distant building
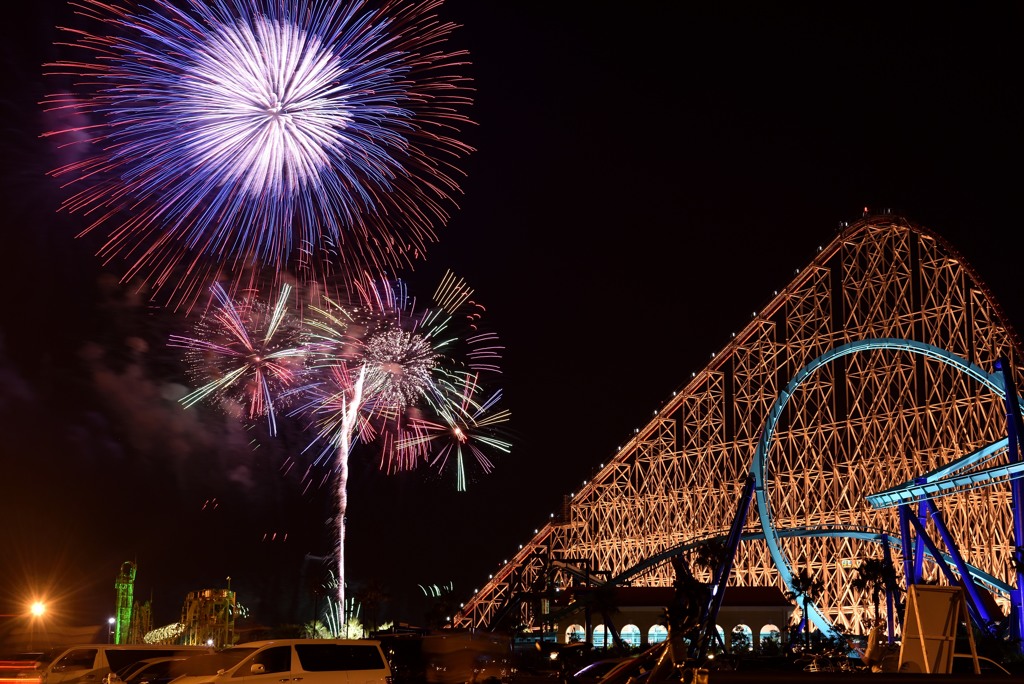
x: 755, y: 612
x: 208, y: 617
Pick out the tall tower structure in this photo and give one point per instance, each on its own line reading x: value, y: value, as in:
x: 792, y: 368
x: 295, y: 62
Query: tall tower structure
x: 125, y: 588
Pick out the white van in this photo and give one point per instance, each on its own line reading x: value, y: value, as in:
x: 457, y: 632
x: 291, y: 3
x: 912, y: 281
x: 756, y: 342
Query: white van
x: 311, y: 661
x: 90, y: 663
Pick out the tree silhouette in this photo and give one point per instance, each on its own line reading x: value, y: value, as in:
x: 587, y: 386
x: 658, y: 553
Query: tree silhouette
x: 442, y: 604
x: 689, y: 605
x: 871, y: 576
x: 805, y: 588
x: 710, y: 555
x: 371, y: 596
x: 603, y: 602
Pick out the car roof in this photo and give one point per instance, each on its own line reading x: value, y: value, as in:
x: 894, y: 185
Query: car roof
x: 266, y: 642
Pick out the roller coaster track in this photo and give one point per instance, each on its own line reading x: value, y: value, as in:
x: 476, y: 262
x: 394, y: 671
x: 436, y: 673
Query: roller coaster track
x: 865, y: 386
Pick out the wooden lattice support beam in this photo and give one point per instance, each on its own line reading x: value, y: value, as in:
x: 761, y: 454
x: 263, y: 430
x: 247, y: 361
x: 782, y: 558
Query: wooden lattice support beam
x: 860, y: 426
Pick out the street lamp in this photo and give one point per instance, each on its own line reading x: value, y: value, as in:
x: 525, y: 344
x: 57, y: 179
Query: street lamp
x: 110, y: 628
x: 35, y: 610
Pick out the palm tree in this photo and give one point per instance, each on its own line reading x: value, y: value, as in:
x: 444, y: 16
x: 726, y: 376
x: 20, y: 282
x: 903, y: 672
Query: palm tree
x: 604, y: 603
x: 442, y: 604
x: 871, y: 576
x: 689, y: 606
x: 805, y: 588
x: 710, y: 555
x: 371, y: 596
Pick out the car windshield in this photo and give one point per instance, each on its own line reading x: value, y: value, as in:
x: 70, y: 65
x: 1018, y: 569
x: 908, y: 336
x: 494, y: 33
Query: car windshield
x: 156, y: 668
x: 131, y: 668
x: 215, y: 662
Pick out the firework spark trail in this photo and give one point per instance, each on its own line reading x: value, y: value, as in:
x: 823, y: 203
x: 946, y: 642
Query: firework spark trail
x: 381, y: 365
x: 316, y: 137
x: 245, y: 349
x: 349, y: 410
x: 467, y: 430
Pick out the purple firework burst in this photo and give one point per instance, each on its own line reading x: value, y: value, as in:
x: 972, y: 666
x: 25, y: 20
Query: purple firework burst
x: 214, y: 136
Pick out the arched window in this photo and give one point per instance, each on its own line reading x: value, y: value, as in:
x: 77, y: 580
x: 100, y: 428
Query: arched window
x: 770, y: 642
x: 741, y: 639
x: 601, y: 639
x: 721, y: 638
x: 631, y: 635
x: 575, y: 634
x: 656, y: 634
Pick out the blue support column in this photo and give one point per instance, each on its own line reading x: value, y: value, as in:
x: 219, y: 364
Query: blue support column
x: 951, y: 577
x: 890, y: 591
x: 919, y: 544
x: 961, y: 567
x: 908, y: 548
x: 721, y: 577
x: 1014, y: 430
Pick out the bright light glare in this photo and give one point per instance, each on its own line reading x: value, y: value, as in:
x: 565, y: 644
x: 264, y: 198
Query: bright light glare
x: 38, y: 608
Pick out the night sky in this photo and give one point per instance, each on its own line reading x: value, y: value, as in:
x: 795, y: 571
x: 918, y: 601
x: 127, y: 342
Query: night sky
x: 644, y: 179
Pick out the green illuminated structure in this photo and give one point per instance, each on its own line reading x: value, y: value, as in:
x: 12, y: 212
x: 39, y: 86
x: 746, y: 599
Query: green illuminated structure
x: 125, y: 587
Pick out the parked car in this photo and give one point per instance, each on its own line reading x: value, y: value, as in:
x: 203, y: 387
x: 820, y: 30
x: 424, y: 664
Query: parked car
x: 312, y: 661
x: 118, y: 676
x: 158, y: 671
x: 963, y: 663
x: 128, y: 671
x: 90, y: 663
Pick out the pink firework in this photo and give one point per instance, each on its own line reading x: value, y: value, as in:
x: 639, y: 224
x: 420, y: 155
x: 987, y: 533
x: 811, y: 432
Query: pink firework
x: 245, y: 351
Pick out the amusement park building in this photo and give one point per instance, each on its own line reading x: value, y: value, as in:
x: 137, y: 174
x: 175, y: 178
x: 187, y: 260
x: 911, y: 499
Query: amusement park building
x: 761, y: 612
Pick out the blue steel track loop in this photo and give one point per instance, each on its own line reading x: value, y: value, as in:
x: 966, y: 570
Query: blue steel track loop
x: 992, y: 381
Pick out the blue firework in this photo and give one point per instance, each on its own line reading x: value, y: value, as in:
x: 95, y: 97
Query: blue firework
x: 310, y: 135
